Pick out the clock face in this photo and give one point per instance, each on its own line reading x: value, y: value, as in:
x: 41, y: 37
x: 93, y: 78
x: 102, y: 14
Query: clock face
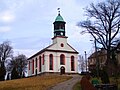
x: 61, y: 33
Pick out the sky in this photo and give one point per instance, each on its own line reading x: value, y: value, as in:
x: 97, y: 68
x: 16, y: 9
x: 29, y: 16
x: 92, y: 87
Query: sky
x: 28, y: 24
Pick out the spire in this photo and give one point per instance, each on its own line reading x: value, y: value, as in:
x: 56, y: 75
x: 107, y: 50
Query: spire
x: 58, y: 11
x: 59, y: 17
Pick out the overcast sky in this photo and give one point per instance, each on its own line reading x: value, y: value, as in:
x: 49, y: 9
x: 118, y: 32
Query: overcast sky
x: 28, y: 24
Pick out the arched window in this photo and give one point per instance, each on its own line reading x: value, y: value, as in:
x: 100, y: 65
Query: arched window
x: 72, y: 63
x: 33, y: 66
x: 36, y: 62
x: 39, y: 63
x: 62, y: 59
x: 29, y: 65
x: 50, y: 62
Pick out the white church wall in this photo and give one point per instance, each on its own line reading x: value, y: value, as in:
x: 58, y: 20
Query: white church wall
x: 30, y: 70
x: 56, y: 63
x: 60, y: 40
x: 68, y: 64
x: 46, y: 62
x: 57, y: 44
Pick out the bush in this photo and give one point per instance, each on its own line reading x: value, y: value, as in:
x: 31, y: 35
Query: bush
x: 104, y: 77
x: 2, y: 73
x: 14, y: 74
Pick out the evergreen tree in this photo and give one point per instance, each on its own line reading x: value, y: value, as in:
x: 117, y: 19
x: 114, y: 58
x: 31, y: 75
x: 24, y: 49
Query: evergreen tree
x: 14, y: 74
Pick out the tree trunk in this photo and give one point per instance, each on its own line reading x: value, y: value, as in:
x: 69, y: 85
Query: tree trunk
x: 108, y: 56
x: 107, y: 68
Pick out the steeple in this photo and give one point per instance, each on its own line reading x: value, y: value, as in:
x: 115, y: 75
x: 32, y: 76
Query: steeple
x: 59, y: 25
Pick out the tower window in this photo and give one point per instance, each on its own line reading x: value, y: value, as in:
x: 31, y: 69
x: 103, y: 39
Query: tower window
x: 62, y: 59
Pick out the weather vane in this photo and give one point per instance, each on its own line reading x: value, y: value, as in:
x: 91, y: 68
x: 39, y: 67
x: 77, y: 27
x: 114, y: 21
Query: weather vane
x: 58, y: 10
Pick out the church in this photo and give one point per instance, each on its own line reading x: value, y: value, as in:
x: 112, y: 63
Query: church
x: 59, y: 57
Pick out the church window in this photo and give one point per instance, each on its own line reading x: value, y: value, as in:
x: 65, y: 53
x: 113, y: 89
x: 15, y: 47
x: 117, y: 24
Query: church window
x: 36, y: 62
x: 40, y: 64
x: 56, y: 26
x: 63, y: 26
x: 29, y: 65
x: 51, y: 62
x: 33, y: 66
x: 62, y: 45
x: 62, y: 59
x: 43, y: 59
x: 72, y: 63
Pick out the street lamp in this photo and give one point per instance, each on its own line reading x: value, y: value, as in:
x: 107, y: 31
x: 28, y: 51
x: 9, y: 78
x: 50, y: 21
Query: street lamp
x: 86, y: 60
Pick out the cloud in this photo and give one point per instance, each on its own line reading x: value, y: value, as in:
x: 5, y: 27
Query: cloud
x: 5, y: 29
x: 33, y: 43
x: 7, y: 16
x: 74, y: 34
x: 27, y: 52
x: 9, y: 9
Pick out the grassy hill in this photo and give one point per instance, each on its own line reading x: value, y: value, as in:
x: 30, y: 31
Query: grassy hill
x: 33, y: 83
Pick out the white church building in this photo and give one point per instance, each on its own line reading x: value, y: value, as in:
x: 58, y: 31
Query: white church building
x: 59, y: 57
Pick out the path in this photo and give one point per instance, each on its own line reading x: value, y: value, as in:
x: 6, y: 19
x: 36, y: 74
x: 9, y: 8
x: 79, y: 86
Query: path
x: 67, y: 85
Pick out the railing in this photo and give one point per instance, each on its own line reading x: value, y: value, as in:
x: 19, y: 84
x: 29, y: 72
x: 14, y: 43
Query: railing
x: 106, y: 87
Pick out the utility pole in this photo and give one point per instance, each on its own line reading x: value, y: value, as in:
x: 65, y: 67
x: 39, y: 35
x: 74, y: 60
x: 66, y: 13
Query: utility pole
x: 86, y: 60
x: 96, y: 57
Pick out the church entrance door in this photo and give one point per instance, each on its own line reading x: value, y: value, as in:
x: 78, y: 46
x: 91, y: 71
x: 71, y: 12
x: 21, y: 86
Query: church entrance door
x: 62, y: 70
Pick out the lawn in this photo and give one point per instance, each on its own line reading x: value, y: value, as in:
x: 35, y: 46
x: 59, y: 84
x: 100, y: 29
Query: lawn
x: 33, y: 83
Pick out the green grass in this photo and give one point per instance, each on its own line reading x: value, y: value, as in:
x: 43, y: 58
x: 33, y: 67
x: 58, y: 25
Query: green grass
x: 77, y: 86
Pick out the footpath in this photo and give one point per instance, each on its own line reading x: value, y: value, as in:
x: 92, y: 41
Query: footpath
x: 67, y: 85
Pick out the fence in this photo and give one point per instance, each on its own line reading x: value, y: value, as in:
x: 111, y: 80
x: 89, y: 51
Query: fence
x: 106, y: 87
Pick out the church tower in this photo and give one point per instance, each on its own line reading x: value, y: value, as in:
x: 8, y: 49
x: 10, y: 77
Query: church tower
x: 59, y: 26
x: 59, y: 30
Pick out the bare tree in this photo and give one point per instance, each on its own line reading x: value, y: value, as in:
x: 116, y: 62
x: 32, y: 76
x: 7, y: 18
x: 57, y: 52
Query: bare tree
x: 81, y: 63
x: 5, y: 52
x: 103, y: 23
x: 20, y: 64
